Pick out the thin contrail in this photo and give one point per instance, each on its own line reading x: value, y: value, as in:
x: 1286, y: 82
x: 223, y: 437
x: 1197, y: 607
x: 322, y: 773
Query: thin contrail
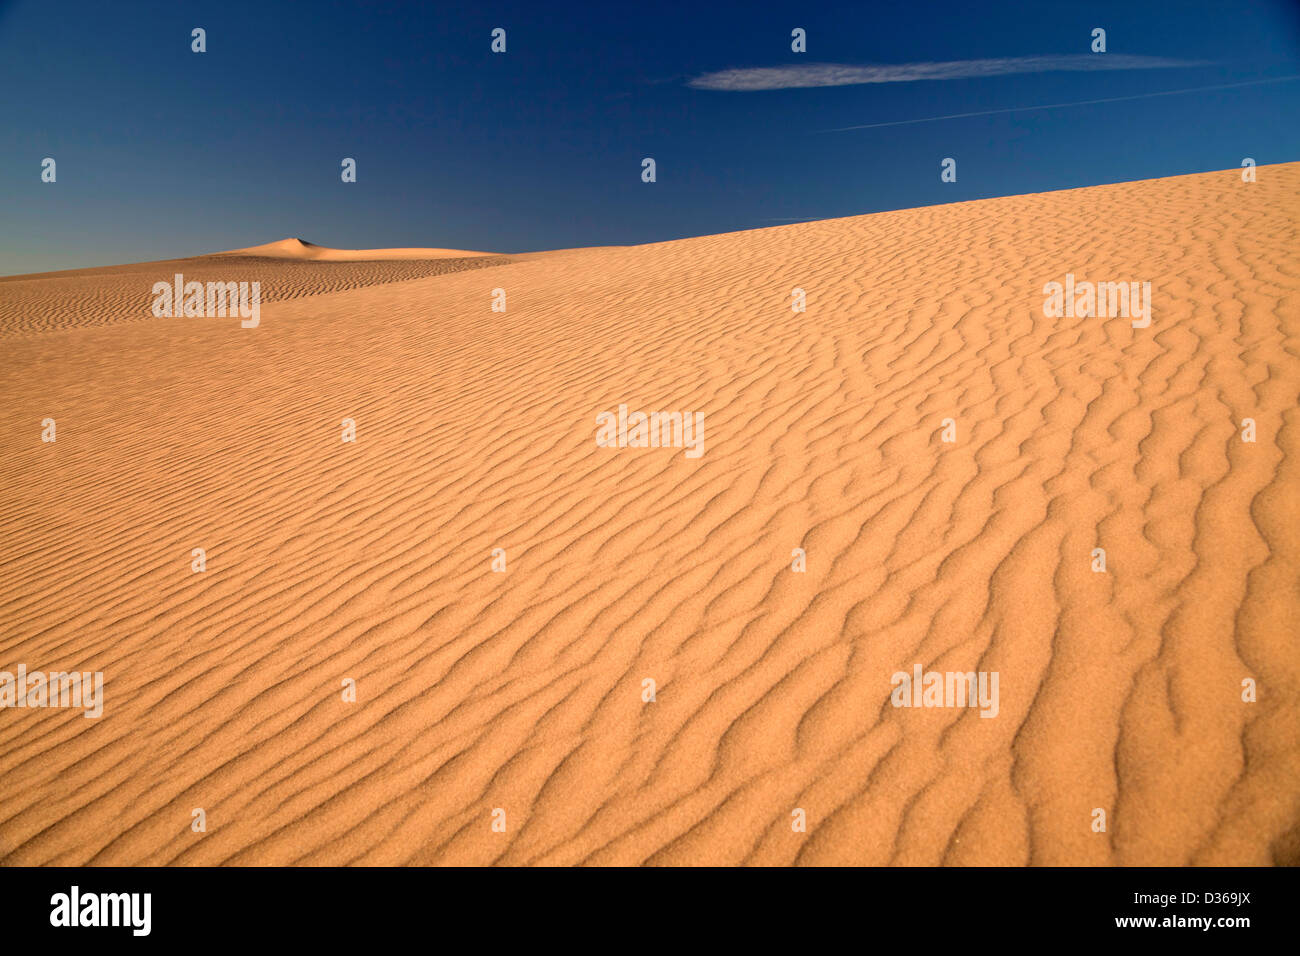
x: 1050, y: 106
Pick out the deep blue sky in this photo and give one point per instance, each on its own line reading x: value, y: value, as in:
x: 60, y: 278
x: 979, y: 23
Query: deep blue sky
x: 162, y: 152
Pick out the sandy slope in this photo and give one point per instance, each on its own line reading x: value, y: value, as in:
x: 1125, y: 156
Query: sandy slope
x: 79, y: 298
x: 522, y: 690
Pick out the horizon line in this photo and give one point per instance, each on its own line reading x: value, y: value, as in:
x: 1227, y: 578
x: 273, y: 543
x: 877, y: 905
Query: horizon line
x: 787, y: 220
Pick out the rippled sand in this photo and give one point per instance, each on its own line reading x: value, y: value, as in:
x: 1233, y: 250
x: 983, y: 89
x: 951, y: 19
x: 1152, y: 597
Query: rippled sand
x: 523, y: 690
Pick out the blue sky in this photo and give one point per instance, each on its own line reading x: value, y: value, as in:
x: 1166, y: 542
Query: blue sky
x: 162, y: 152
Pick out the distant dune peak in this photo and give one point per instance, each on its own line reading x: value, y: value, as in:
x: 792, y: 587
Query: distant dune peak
x: 296, y: 248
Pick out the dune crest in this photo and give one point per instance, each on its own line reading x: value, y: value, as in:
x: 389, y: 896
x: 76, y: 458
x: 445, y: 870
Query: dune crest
x: 293, y: 248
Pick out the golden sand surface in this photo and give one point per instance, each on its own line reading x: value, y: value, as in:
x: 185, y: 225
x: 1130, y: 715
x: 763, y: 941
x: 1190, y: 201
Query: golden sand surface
x: 824, y: 430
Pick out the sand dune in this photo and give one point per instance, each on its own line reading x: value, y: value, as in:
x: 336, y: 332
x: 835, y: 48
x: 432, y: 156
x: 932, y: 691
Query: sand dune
x: 80, y: 298
x: 823, y: 430
x: 294, y: 248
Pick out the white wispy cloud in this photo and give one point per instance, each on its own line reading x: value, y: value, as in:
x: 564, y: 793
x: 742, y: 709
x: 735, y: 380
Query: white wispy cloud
x: 842, y: 74
x: 1053, y: 106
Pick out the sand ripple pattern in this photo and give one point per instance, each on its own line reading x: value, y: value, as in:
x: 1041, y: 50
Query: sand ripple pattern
x: 107, y: 296
x: 522, y: 690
